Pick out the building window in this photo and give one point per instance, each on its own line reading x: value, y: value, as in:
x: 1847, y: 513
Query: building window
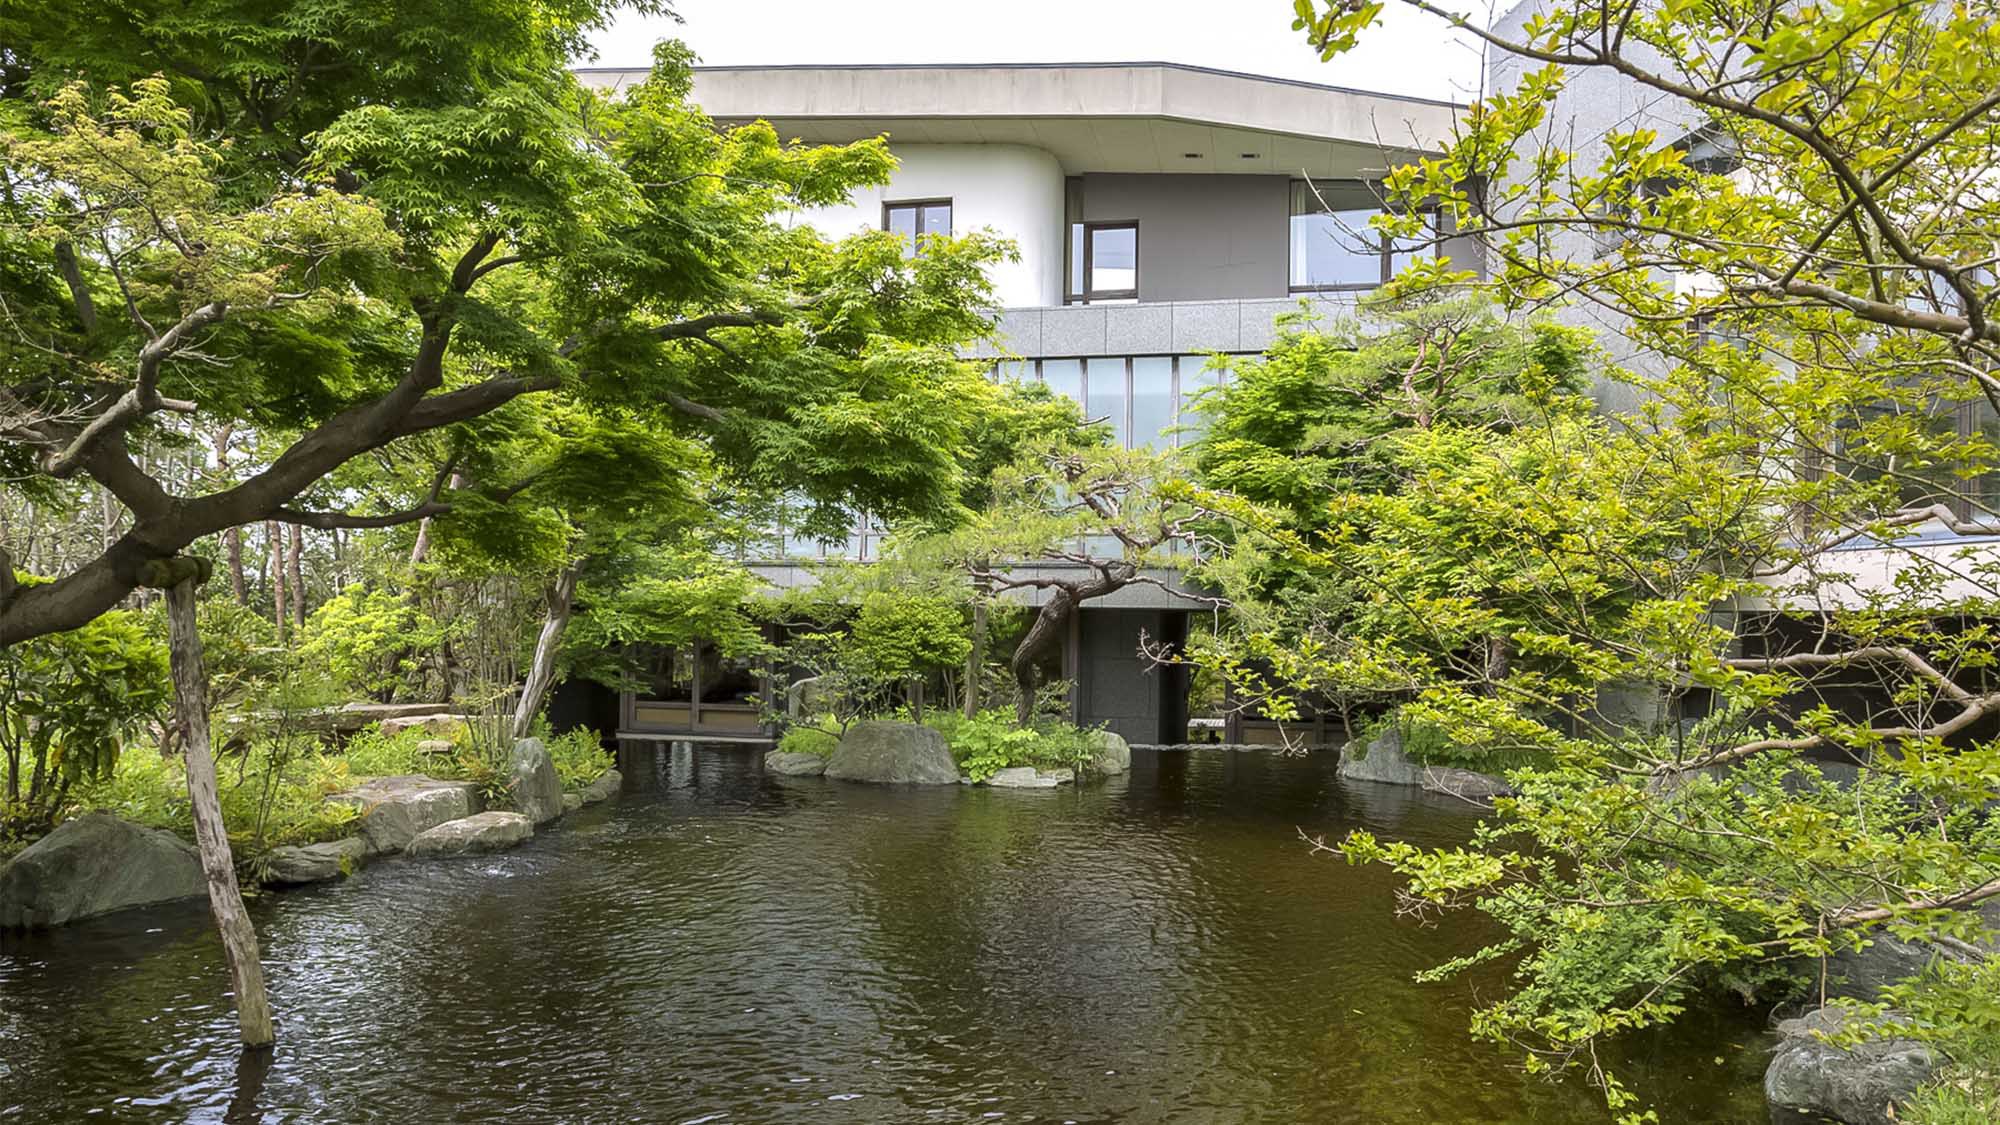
x: 917, y: 220
x: 1333, y: 245
x: 1104, y: 262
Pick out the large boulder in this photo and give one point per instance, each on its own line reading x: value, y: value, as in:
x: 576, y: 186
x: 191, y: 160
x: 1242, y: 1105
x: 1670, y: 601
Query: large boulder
x: 1857, y: 1085
x: 95, y: 864
x: 604, y: 788
x: 788, y: 763
x: 1381, y: 759
x: 473, y: 835
x: 1384, y: 759
x: 1109, y: 753
x: 536, y: 789
x: 1863, y: 974
x: 892, y: 754
x: 314, y: 863
x: 394, y: 810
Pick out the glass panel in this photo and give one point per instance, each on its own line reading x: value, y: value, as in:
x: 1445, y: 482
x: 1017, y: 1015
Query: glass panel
x: 1064, y: 377
x: 1114, y: 259
x: 1076, y: 259
x: 936, y: 220
x: 1197, y: 377
x: 1107, y: 397
x: 668, y: 674
x: 1152, y: 401
x: 726, y: 679
x: 903, y: 221
x: 1335, y: 249
x: 1015, y: 370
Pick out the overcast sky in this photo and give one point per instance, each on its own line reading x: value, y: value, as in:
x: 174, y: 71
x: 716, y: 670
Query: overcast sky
x: 1409, y: 54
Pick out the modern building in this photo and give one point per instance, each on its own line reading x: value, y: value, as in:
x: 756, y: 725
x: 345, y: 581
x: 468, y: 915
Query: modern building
x: 1163, y: 214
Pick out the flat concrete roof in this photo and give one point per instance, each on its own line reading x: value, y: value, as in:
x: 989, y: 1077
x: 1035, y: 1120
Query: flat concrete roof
x: 1093, y: 117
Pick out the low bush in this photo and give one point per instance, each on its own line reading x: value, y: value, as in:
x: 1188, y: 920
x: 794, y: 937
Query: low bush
x: 819, y: 739
x: 269, y: 798
x: 991, y: 741
x: 579, y: 756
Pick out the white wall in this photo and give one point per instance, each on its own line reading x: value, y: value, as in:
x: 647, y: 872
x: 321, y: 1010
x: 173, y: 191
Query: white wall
x: 1014, y: 190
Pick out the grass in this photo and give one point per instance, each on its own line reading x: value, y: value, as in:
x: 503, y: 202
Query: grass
x: 1960, y: 1094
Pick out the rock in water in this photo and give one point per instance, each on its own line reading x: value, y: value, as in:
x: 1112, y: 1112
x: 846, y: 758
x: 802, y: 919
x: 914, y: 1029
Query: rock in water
x: 1109, y: 753
x: 536, y: 788
x: 95, y: 864
x: 1382, y: 759
x: 893, y: 754
x: 395, y: 809
x: 604, y: 788
x: 790, y: 764
x: 314, y: 863
x: 1028, y: 777
x: 473, y: 835
x: 1855, y: 1085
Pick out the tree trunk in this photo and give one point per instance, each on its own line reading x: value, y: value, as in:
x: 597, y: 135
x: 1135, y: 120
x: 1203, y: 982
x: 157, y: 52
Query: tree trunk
x: 295, y: 574
x: 232, y: 541
x: 275, y: 564
x: 225, y: 900
x: 975, y: 659
x: 422, y: 549
x: 542, y: 672
x: 1046, y: 630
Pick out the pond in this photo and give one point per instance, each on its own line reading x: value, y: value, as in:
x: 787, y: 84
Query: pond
x: 720, y: 945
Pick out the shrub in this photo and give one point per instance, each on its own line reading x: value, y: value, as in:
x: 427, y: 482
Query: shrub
x: 68, y: 703
x: 991, y: 741
x: 809, y: 740
x: 270, y: 798
x: 579, y: 756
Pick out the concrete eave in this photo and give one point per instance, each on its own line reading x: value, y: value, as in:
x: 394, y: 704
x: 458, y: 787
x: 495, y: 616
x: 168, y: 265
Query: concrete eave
x: 1095, y: 117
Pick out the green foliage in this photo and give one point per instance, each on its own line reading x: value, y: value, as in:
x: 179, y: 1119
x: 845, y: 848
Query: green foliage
x: 368, y: 641
x: 898, y: 636
x: 270, y: 797
x: 991, y: 741
x: 579, y: 756
x: 810, y: 740
x: 69, y: 702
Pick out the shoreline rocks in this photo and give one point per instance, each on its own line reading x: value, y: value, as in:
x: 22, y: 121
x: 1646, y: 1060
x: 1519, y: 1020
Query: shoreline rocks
x: 887, y: 753
x: 299, y: 864
x: 535, y: 788
x: 394, y: 810
x: 608, y: 785
x: 473, y: 835
x: 1856, y: 1085
x: 1109, y: 753
x: 1028, y: 777
x: 788, y: 763
x: 1383, y: 759
x: 96, y: 864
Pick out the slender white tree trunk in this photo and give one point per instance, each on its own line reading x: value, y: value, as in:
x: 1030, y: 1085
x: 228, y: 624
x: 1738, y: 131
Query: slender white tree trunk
x: 225, y: 899
x: 542, y: 672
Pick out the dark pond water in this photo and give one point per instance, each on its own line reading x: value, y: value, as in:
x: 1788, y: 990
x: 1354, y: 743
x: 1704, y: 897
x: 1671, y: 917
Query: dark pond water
x: 723, y: 946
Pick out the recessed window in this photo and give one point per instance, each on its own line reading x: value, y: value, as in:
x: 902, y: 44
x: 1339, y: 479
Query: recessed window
x: 1104, y: 262
x: 916, y: 221
x: 1333, y: 244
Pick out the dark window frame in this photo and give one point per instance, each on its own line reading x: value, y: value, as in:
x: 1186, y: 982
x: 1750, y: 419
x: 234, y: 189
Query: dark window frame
x: 1089, y: 295
x: 919, y: 206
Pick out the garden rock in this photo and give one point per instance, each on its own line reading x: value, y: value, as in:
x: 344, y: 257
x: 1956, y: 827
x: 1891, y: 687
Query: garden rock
x: 604, y: 788
x: 536, y: 789
x: 887, y: 753
x: 394, y: 810
x: 444, y: 727
x: 95, y: 864
x: 314, y: 863
x: 1028, y: 777
x: 571, y: 802
x: 473, y: 835
x: 1382, y: 759
x: 1467, y: 784
x: 787, y: 763
x: 1109, y: 753
x: 1855, y: 1085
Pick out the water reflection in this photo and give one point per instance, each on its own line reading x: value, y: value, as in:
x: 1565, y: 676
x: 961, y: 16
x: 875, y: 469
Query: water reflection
x: 725, y: 946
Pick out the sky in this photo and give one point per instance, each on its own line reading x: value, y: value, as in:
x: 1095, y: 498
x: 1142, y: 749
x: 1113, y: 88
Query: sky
x: 1410, y: 53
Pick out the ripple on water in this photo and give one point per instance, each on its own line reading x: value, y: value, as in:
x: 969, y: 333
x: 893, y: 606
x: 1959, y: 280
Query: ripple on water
x: 726, y: 946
